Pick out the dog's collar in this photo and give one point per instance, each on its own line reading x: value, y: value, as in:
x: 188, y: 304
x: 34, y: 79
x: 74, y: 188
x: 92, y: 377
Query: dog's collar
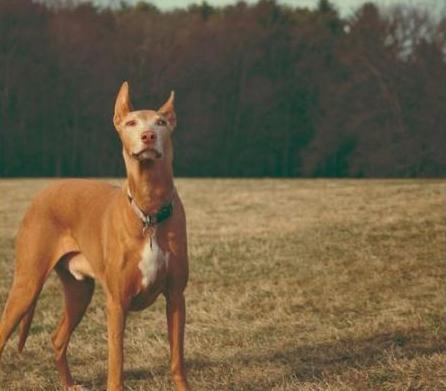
x: 150, y: 220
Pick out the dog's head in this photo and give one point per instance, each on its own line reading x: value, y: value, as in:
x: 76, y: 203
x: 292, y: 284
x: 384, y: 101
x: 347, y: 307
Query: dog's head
x: 145, y: 134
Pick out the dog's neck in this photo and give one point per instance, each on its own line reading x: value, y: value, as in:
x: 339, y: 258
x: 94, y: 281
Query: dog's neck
x: 150, y: 182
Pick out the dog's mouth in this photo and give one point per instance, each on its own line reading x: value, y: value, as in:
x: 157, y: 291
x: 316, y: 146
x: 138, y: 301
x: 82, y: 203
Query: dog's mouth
x: 147, y: 154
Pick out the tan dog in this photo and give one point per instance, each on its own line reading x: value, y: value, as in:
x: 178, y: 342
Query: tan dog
x: 132, y: 240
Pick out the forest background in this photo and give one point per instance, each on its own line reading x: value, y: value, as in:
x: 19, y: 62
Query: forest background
x: 262, y: 89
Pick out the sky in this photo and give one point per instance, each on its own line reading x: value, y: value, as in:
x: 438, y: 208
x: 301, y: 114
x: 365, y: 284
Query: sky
x: 344, y: 6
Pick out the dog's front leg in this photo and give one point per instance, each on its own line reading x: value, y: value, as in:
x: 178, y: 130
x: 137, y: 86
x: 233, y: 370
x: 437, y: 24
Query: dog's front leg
x: 176, y: 317
x: 116, y: 316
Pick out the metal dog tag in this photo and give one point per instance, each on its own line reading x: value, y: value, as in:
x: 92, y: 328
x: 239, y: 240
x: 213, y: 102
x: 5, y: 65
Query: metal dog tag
x: 148, y: 229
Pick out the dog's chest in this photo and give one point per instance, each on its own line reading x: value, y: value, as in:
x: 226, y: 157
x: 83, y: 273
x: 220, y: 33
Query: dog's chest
x: 153, y: 262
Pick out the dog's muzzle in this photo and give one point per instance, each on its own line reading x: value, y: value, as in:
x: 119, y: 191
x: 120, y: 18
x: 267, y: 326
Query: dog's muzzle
x: 147, y: 154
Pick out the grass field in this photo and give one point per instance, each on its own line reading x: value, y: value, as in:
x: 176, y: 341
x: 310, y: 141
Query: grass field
x: 294, y: 285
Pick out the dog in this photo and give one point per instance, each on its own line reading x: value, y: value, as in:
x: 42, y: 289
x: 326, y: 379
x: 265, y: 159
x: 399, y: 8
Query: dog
x: 132, y: 240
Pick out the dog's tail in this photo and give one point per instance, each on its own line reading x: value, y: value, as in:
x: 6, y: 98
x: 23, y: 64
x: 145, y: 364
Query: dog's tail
x: 24, y: 326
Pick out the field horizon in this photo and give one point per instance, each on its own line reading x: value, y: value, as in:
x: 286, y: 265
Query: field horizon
x: 295, y: 284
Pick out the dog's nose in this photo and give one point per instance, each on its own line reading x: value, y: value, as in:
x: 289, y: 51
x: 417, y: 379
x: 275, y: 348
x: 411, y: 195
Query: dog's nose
x: 148, y: 137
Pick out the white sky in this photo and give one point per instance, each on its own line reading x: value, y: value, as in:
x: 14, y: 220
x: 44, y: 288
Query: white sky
x: 344, y: 6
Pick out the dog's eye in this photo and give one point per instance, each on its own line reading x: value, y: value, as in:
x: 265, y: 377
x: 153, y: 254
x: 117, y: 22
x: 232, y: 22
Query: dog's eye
x: 160, y: 122
x: 130, y: 123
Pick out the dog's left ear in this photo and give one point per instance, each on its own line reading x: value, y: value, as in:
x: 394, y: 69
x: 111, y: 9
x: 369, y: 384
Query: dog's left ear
x: 168, y: 111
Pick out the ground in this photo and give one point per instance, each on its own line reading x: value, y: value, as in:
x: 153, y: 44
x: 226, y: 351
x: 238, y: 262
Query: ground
x: 294, y: 285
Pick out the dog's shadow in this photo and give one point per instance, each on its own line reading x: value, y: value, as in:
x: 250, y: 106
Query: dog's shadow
x: 304, y: 363
x: 319, y: 362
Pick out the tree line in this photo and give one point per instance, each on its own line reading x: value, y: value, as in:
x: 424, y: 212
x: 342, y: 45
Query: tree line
x: 261, y: 90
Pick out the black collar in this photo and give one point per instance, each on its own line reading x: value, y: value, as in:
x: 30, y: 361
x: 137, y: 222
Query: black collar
x: 150, y: 220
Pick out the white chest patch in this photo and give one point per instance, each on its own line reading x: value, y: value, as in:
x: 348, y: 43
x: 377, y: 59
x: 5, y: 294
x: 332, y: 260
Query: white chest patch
x: 152, y: 260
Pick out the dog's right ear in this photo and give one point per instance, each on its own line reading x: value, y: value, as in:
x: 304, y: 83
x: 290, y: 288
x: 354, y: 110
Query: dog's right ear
x: 122, y: 104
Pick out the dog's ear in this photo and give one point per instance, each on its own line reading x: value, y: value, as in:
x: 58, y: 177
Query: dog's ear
x: 122, y: 104
x: 168, y: 110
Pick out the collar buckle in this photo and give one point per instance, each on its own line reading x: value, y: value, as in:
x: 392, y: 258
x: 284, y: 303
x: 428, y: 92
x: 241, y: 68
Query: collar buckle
x: 150, y: 220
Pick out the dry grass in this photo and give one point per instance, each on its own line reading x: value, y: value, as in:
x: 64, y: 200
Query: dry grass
x: 294, y: 285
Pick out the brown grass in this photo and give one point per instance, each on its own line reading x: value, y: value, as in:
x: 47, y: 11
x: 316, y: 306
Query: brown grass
x: 294, y: 285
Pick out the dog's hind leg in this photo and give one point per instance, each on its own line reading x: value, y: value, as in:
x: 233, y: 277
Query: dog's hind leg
x: 21, y: 301
x: 24, y: 326
x: 37, y: 250
x: 78, y: 295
